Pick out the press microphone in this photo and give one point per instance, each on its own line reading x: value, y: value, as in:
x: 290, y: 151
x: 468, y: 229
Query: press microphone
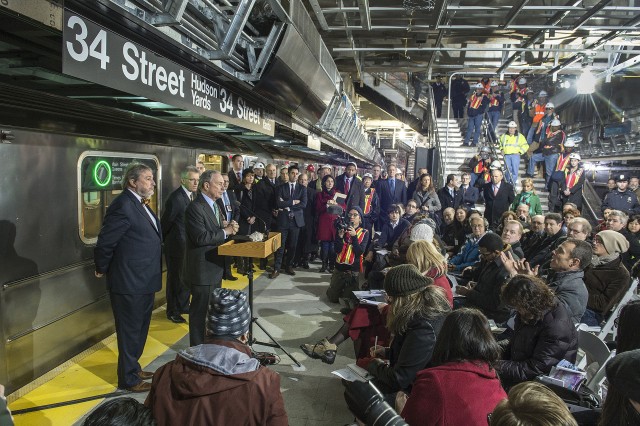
x: 252, y: 213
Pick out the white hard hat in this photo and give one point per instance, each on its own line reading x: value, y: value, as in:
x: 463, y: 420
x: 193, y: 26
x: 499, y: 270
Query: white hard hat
x: 542, y: 93
x: 496, y: 165
x: 529, y: 90
x: 512, y: 124
x: 556, y: 123
x: 258, y: 165
x: 367, y: 175
x: 494, y: 83
x: 479, y: 86
x: 522, y: 80
x: 569, y: 144
x: 327, y: 166
x: 575, y: 156
x: 549, y: 105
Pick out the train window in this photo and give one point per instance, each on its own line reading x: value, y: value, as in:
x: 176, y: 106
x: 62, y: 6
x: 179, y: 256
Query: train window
x: 212, y: 161
x: 100, y: 177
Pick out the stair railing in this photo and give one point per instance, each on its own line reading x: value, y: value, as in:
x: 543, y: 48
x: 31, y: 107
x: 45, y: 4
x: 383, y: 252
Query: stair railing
x: 434, y: 137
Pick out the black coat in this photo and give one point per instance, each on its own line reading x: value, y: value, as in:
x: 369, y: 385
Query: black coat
x: 234, y: 182
x: 235, y: 210
x: 355, y: 197
x: 387, y: 198
x: 446, y: 200
x: 467, y: 197
x: 265, y: 201
x: 496, y: 205
x: 389, y: 235
x: 172, y: 222
x: 248, y: 202
x: 490, y: 277
x: 284, y: 200
x: 534, y: 348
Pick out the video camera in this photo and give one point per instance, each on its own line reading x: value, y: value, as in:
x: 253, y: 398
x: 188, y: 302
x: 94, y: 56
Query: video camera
x: 341, y: 222
x: 367, y: 403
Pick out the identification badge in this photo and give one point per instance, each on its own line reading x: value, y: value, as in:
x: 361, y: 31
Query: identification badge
x: 229, y: 209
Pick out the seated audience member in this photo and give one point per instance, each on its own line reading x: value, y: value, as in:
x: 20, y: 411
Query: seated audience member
x: 487, y: 278
x: 467, y: 193
x: 462, y: 217
x: 118, y: 412
x: 617, y: 220
x: 430, y: 262
x: 532, y: 404
x: 506, y: 217
x: 522, y: 211
x: 465, y: 352
x: 390, y: 233
x: 532, y: 239
x: 528, y: 197
x: 566, y: 279
x: 568, y: 214
x: 416, y: 312
x: 543, y: 333
x: 627, y: 336
x: 349, y: 247
x: 632, y: 234
x: 554, y: 237
x: 452, y: 231
x: 602, y: 223
x: 579, y: 229
x: 5, y: 414
x: 511, y: 234
x: 448, y: 216
x: 410, y: 211
x: 622, y: 405
x: 212, y: 384
x: 606, y: 278
x: 470, y: 253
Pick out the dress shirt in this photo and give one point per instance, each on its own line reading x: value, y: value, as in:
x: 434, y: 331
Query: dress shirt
x: 189, y: 193
x: 146, y: 208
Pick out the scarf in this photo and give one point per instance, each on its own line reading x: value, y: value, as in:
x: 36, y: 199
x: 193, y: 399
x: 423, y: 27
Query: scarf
x: 601, y: 260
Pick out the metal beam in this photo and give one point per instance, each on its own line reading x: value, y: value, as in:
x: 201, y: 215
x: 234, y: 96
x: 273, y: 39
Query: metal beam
x: 515, y: 10
x: 622, y: 65
x: 476, y: 27
x: 595, y: 9
x: 353, y: 9
x: 234, y: 31
x: 469, y: 49
x: 172, y: 13
x: 320, y: 14
x: 365, y: 14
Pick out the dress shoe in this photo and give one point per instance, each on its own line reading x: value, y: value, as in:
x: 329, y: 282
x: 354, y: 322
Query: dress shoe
x: 145, y: 375
x: 231, y: 278
x: 274, y: 274
x: 177, y: 319
x: 140, y: 387
x: 289, y: 271
x: 305, y: 264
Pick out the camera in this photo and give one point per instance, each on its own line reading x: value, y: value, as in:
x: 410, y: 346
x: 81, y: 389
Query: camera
x: 367, y: 403
x: 341, y: 224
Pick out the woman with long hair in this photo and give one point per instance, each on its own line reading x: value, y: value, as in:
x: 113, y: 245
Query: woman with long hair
x: 543, y: 333
x: 426, y: 196
x: 431, y: 263
x: 246, y: 196
x: 506, y: 217
x: 628, y: 338
x: 622, y: 404
x: 326, y: 229
x: 632, y: 255
x: 528, y: 196
x: 465, y: 352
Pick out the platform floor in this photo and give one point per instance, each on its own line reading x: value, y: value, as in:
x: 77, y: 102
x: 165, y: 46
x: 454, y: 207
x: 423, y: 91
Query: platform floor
x: 293, y: 309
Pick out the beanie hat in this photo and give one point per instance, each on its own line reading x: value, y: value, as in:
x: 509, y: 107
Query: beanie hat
x: 359, y: 210
x: 613, y: 241
x: 430, y: 222
x: 404, y: 280
x: 228, y: 313
x: 491, y: 241
x: 421, y: 231
x: 622, y: 373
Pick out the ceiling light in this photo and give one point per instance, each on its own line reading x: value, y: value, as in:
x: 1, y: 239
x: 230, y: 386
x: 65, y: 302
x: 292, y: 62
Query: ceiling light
x: 586, y: 83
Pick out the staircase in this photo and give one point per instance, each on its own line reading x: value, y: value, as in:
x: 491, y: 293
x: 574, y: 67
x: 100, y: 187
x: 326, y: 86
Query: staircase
x: 456, y: 157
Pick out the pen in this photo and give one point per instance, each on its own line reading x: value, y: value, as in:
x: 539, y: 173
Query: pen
x: 375, y: 344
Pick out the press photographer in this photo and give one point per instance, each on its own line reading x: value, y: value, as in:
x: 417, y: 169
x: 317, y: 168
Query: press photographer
x: 350, y: 244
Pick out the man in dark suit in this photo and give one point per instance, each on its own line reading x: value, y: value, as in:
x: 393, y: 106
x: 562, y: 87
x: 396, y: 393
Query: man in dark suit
x: 347, y: 183
x: 414, y: 184
x: 235, y: 174
x: 205, y: 229
x: 291, y: 199
x: 266, y: 202
x: 227, y: 205
x: 307, y: 241
x: 448, y: 194
x: 129, y: 252
x: 174, y: 241
x: 498, y: 196
x: 467, y: 194
x: 392, y: 191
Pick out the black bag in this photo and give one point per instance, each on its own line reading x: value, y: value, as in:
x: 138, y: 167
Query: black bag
x: 583, y: 397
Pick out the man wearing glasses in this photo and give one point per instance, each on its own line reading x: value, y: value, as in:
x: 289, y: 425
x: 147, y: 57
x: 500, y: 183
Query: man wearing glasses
x: 174, y: 238
x: 533, y: 239
x: 579, y: 229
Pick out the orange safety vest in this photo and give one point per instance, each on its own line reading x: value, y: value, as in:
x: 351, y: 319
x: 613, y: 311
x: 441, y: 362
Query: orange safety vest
x: 563, y: 161
x: 475, y: 101
x: 368, y: 200
x: 572, y: 178
x: 539, y: 113
x: 346, y: 255
x: 494, y: 101
x: 479, y: 168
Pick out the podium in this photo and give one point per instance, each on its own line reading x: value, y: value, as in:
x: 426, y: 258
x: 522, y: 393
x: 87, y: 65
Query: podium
x: 247, y: 251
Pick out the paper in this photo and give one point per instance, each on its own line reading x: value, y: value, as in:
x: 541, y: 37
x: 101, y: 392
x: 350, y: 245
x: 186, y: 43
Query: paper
x: 339, y: 198
x: 382, y: 252
x: 353, y: 373
x: 373, y: 297
x: 495, y: 328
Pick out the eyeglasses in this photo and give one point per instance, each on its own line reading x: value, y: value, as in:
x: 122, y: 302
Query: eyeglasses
x: 353, y: 215
x: 597, y: 241
x: 549, y: 108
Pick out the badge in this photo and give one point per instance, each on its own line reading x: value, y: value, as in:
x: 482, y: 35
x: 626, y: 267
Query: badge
x: 229, y: 209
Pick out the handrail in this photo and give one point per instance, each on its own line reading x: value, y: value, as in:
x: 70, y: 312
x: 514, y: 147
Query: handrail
x: 588, y: 194
x: 404, y: 91
x: 434, y: 135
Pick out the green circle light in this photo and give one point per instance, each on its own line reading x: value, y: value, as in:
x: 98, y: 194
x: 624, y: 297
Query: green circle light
x: 105, y: 180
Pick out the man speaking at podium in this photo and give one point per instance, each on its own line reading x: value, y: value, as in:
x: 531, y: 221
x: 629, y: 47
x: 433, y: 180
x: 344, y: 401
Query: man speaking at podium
x: 206, y: 229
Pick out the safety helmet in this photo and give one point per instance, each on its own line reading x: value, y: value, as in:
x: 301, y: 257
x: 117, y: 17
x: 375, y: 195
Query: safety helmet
x: 494, y: 83
x: 479, y: 86
x: 327, y: 166
x: 549, y: 105
x: 258, y: 165
x: 522, y: 80
x: 529, y: 91
x: 556, y: 123
x: 575, y: 156
x: 367, y: 175
x: 569, y: 144
x: 485, y: 149
x: 496, y: 165
x: 542, y: 93
x: 512, y: 124
x: 311, y: 168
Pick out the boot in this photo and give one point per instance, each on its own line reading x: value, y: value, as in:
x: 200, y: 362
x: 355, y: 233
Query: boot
x: 322, y: 350
x: 332, y: 265
x: 304, y: 262
x: 323, y: 268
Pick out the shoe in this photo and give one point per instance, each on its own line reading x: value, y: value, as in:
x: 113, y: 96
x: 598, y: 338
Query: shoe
x: 140, y: 387
x: 289, y: 271
x: 305, y: 265
x: 268, y: 269
x: 323, y: 268
x: 294, y: 264
x: 322, y: 350
x: 177, y: 319
x: 274, y: 274
x: 146, y: 375
x: 231, y: 278
x: 464, y: 144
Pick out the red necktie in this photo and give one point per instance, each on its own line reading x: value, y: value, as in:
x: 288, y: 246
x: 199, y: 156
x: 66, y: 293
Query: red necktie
x: 347, y: 186
x: 238, y: 175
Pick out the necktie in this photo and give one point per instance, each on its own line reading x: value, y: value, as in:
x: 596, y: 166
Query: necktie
x: 226, y: 203
x: 192, y: 196
x: 216, y: 213
x: 451, y: 192
x: 145, y: 201
x: 347, y: 186
x: 393, y: 186
x: 495, y: 190
x: 464, y: 189
x: 238, y: 176
x: 292, y: 187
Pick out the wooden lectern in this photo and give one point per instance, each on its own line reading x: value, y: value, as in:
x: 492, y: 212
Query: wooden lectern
x: 247, y: 251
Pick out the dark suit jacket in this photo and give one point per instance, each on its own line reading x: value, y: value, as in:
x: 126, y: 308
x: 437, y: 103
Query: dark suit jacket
x: 446, y: 200
x: 284, y: 200
x: 235, y: 211
x: 389, y: 235
x: 173, y: 223
x: 265, y: 202
x: 202, y: 264
x: 233, y: 180
x: 497, y: 204
x: 387, y: 198
x: 355, y: 197
x: 129, y: 248
x: 468, y: 197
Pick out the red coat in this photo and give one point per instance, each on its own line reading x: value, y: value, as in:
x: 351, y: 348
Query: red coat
x: 326, y: 228
x: 456, y: 393
x: 442, y: 282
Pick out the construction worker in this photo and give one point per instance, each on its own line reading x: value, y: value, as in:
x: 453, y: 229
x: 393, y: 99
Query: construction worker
x: 475, y: 110
x: 536, y: 112
x: 513, y: 144
x: 496, y: 102
x: 479, y: 165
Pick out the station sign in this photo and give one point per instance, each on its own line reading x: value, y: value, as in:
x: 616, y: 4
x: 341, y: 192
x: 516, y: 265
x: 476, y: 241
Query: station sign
x: 97, y: 54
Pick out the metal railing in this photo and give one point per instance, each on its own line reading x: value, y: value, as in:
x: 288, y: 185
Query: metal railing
x: 433, y: 136
x: 591, y: 202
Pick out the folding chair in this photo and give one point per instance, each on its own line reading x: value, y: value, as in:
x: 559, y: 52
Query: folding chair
x: 609, y: 325
x: 595, y: 349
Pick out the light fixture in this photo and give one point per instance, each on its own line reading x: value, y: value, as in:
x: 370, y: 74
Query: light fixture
x: 565, y: 84
x: 586, y: 83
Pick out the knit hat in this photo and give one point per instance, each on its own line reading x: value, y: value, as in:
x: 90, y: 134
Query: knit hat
x: 622, y: 372
x: 421, y: 231
x: 404, y: 280
x: 491, y: 241
x: 359, y: 210
x: 430, y: 222
x: 228, y: 313
x: 613, y: 241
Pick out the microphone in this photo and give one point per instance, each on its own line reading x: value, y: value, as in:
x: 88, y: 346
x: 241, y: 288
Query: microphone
x: 252, y: 213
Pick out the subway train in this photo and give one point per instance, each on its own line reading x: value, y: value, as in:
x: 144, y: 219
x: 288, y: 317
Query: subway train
x: 62, y: 162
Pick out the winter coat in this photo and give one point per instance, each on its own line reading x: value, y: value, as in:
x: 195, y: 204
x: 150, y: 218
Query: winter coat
x: 534, y: 348
x: 469, y: 254
x: 427, y: 199
x: 435, y: 402
x: 326, y: 228
x: 632, y: 255
x: 496, y: 205
x: 530, y: 199
x: 490, y: 277
x: 571, y: 291
x: 606, y: 284
x: 216, y: 384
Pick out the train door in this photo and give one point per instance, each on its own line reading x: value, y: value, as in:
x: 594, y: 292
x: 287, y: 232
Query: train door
x: 212, y: 162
